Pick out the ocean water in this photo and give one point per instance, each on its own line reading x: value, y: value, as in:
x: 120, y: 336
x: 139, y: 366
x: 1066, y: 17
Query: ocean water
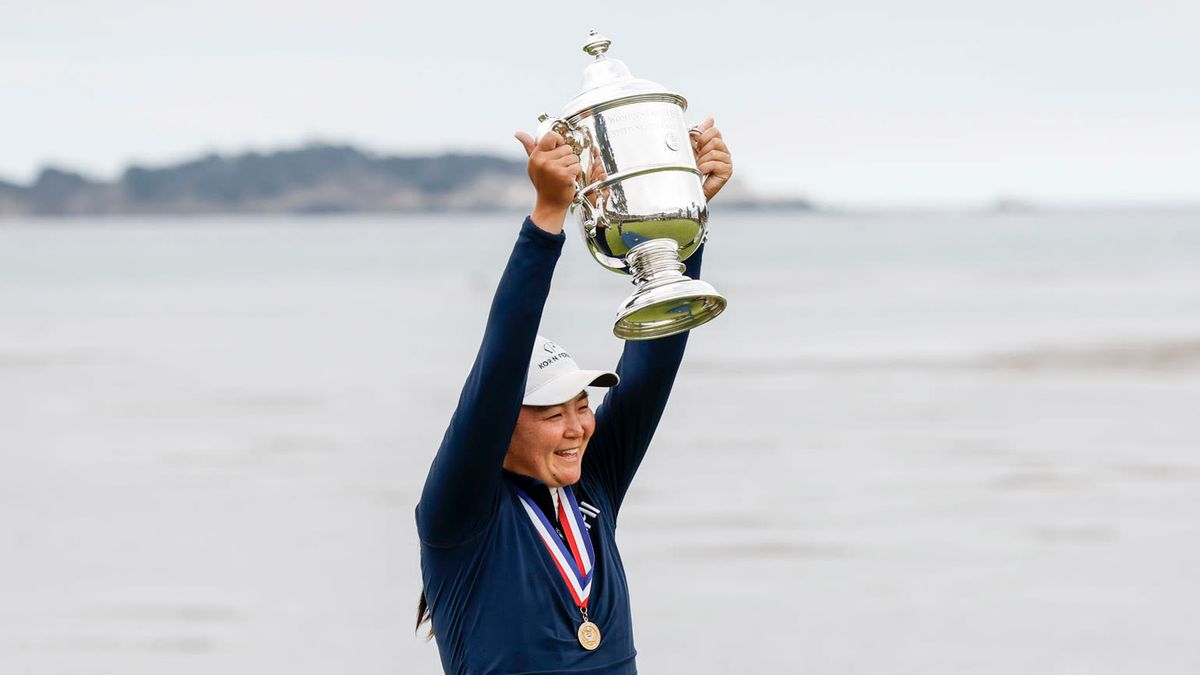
x: 918, y: 443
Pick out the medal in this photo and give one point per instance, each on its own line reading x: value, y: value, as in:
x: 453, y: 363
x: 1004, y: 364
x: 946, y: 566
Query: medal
x: 589, y: 635
x: 573, y: 558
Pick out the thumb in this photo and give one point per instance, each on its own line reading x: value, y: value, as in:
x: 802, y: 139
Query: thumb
x: 527, y: 141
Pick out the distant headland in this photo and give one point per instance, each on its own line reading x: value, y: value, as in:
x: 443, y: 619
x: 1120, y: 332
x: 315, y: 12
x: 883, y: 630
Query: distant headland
x: 317, y: 178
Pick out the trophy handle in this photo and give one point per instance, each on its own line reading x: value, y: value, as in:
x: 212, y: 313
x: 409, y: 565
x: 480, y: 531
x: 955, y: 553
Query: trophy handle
x: 576, y: 138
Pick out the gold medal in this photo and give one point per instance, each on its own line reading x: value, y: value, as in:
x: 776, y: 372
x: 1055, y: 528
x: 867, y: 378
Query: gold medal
x: 589, y: 635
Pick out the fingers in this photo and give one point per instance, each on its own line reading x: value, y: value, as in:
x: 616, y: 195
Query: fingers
x: 716, y: 162
x: 559, y: 162
x: 560, y: 152
x: 724, y: 170
x: 701, y: 133
x: 568, y: 167
x: 708, y: 142
x: 712, y: 158
x: 526, y: 141
x: 551, y: 151
x: 597, y: 172
x: 568, y: 157
x: 554, y: 169
x: 713, y: 185
x: 566, y: 164
x: 550, y: 141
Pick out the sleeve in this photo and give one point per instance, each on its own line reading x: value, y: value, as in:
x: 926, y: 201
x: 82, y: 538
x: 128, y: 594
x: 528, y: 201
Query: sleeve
x: 630, y: 412
x: 463, y: 486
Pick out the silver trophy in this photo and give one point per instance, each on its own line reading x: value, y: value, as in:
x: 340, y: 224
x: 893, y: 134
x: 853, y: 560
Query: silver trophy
x: 640, y: 199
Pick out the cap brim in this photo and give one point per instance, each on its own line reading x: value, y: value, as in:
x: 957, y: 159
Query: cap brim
x: 568, y: 385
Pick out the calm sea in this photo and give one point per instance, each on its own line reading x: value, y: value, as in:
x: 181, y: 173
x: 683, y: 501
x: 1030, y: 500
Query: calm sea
x: 926, y: 443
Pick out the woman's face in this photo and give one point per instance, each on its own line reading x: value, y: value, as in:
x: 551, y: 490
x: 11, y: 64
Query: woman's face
x: 549, y: 441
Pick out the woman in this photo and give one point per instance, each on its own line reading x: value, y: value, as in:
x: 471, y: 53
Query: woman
x: 518, y: 554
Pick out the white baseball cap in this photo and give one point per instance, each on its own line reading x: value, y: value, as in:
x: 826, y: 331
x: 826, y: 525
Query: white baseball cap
x: 555, y: 378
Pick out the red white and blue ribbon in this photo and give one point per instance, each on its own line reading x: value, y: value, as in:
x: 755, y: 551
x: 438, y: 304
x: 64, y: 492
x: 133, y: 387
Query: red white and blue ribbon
x: 574, y: 557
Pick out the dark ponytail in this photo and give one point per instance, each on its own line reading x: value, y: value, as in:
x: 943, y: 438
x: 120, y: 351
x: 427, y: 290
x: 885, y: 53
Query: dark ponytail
x: 423, y: 615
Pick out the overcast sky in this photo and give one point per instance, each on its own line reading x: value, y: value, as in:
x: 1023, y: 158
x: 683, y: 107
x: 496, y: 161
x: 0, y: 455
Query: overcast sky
x: 871, y: 102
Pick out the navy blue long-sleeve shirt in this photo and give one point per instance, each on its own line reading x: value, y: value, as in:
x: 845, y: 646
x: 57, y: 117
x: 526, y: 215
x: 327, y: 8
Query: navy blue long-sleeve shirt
x: 498, y: 603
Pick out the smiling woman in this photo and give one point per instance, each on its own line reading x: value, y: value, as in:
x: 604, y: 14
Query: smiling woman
x: 548, y: 442
x: 518, y: 533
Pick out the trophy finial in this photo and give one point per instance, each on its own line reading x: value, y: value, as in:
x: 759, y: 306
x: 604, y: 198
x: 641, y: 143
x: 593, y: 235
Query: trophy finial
x: 596, y: 44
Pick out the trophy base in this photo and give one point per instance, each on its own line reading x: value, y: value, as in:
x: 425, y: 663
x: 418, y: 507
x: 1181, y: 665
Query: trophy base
x: 666, y: 302
x: 667, y: 310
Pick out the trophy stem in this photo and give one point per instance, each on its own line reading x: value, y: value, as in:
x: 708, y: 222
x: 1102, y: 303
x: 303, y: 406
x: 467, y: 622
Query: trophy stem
x: 655, y: 262
x: 666, y: 302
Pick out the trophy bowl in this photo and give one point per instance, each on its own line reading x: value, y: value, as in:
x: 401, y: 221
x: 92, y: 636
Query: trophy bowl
x: 640, y: 199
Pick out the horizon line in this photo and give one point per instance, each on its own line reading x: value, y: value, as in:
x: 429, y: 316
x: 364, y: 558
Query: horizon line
x: 999, y: 201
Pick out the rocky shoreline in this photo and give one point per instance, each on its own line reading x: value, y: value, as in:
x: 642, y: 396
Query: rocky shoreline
x: 312, y: 179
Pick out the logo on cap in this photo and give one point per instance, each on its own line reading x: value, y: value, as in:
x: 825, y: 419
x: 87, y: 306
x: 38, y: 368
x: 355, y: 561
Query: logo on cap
x: 556, y: 353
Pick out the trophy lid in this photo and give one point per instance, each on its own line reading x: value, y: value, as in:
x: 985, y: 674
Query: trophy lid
x: 606, y: 80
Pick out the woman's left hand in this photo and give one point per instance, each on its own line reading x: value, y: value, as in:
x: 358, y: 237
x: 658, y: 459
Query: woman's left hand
x: 712, y: 158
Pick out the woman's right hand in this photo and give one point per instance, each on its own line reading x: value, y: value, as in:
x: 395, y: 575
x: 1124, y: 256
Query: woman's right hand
x: 553, y: 168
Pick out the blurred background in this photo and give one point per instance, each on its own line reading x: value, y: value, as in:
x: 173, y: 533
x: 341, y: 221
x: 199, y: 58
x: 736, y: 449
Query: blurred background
x: 947, y: 424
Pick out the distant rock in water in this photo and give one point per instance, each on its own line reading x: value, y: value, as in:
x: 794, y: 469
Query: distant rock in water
x: 313, y: 179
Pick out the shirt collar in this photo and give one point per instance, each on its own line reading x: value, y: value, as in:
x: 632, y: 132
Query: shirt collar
x: 541, y: 493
